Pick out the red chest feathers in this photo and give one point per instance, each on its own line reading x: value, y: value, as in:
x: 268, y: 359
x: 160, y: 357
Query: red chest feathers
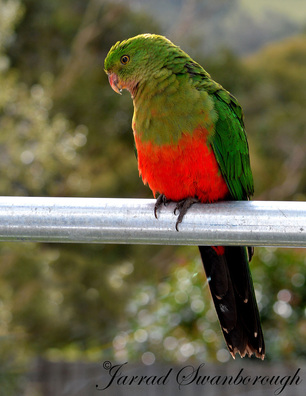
x: 186, y: 169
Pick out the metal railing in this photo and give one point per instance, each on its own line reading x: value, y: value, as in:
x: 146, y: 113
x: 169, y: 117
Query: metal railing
x: 101, y: 220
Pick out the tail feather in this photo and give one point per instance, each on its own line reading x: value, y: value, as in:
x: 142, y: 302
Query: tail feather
x: 231, y: 287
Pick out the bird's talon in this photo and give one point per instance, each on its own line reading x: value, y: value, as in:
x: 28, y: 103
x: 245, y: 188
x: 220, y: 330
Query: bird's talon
x: 181, y: 208
x: 177, y: 224
x: 161, y: 200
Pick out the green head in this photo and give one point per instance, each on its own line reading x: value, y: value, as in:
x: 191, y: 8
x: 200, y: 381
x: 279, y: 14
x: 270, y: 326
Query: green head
x: 133, y: 61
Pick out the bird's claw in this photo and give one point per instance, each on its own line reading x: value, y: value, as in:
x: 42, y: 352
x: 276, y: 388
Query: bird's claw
x: 161, y: 200
x: 182, y: 207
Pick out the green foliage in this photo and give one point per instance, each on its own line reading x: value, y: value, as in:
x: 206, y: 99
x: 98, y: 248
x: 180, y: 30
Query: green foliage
x: 36, y: 148
x: 276, y: 117
x: 280, y: 276
x: 176, y: 320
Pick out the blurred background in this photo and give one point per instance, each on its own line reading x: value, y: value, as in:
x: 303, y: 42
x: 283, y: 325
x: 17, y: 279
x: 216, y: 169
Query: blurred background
x: 64, y: 132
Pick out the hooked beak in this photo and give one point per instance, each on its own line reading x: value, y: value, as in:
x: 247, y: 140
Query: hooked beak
x: 114, y: 82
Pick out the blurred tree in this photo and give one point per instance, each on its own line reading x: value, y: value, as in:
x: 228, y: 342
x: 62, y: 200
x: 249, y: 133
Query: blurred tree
x: 276, y: 117
x: 175, y: 320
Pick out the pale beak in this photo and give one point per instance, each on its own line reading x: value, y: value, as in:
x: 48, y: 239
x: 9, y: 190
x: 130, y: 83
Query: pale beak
x: 114, y: 81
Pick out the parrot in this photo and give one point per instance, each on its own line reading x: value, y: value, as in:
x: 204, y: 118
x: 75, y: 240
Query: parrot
x: 192, y: 147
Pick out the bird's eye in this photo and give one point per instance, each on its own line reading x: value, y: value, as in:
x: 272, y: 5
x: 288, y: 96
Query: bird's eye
x: 124, y: 59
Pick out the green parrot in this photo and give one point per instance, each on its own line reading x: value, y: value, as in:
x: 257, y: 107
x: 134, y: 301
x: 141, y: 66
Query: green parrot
x: 192, y: 147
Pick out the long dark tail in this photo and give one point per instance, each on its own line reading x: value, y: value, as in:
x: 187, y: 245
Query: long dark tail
x: 231, y: 287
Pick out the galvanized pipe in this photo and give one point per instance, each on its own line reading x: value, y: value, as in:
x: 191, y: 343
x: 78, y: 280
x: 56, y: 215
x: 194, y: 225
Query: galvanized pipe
x: 101, y: 220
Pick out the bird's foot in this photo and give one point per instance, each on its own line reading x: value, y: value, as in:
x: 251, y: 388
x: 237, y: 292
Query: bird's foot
x: 182, y: 207
x: 161, y: 200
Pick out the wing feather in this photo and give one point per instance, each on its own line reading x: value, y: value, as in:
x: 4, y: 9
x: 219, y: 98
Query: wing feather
x: 230, y: 145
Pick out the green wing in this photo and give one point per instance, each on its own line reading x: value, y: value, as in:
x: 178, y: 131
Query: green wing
x: 230, y: 145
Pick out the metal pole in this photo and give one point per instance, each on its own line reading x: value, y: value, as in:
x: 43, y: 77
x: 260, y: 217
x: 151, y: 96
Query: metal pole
x: 101, y: 220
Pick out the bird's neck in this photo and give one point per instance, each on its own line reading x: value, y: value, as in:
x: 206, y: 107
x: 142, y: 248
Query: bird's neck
x: 165, y: 107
